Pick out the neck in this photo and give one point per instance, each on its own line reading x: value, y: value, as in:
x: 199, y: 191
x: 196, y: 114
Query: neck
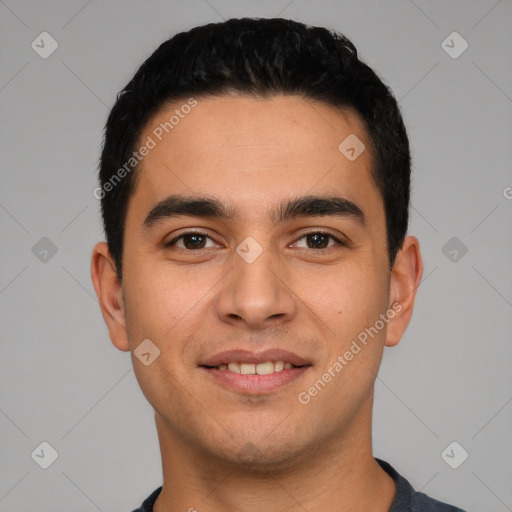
x: 341, y: 471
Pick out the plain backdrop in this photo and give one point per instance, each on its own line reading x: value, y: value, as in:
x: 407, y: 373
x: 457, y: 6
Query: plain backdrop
x: 61, y: 380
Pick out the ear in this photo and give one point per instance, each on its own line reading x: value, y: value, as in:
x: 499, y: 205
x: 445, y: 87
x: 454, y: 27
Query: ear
x: 405, y: 279
x: 110, y: 295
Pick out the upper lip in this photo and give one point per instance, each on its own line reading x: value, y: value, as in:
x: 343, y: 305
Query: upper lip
x: 245, y: 356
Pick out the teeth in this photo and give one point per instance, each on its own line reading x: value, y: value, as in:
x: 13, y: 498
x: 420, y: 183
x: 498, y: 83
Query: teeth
x: 265, y: 368
x: 278, y: 366
x: 247, y: 369
x: 234, y: 367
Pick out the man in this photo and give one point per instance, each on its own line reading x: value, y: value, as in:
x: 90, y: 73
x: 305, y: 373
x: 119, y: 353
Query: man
x: 255, y: 189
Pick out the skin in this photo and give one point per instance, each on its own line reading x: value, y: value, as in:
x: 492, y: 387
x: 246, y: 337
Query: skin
x: 225, y: 450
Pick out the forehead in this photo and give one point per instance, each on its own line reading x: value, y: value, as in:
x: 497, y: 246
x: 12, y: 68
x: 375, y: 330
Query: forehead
x: 250, y: 151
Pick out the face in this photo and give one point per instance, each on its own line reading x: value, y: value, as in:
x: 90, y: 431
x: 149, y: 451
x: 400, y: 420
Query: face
x: 260, y: 275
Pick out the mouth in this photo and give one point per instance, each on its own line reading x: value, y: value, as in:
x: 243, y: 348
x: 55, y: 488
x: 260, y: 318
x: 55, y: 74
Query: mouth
x: 265, y: 368
x: 251, y: 373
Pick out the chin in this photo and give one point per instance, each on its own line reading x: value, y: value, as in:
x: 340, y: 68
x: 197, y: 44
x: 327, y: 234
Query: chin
x: 260, y: 454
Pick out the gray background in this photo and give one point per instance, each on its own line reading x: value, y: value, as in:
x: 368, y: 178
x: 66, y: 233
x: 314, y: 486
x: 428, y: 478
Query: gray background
x: 64, y: 383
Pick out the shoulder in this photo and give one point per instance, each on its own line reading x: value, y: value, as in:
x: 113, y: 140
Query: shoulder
x: 408, y: 500
x: 423, y: 503
x: 147, y: 504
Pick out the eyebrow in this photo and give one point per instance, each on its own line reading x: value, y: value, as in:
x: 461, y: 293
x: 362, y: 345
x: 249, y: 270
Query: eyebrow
x: 211, y: 208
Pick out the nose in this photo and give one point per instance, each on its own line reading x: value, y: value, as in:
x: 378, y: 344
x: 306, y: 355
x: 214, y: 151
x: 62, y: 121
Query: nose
x: 256, y: 295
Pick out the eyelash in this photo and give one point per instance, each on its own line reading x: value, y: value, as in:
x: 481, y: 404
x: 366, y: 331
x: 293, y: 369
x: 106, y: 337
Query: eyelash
x: 188, y: 233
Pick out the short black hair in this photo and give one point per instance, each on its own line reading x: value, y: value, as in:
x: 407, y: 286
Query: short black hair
x: 262, y: 58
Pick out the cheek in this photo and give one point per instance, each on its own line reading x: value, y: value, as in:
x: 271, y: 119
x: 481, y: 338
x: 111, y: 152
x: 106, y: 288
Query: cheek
x: 153, y: 304
x: 160, y: 308
x: 166, y: 306
x: 346, y: 298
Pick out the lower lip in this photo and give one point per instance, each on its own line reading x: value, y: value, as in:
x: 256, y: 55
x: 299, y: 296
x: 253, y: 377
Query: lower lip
x: 255, y: 384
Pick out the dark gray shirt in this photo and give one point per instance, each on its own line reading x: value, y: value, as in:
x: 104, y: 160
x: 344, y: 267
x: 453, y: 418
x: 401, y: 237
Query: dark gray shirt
x: 406, y: 498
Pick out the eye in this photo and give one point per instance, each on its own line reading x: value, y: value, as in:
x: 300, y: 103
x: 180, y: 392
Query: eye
x: 193, y: 240
x: 319, y: 240
x: 196, y: 240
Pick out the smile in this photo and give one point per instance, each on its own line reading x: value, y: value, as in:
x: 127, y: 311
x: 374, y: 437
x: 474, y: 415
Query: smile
x: 254, y: 379
x: 265, y: 368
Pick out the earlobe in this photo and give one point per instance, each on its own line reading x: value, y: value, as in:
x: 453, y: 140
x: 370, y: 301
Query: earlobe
x: 110, y: 297
x: 405, y: 279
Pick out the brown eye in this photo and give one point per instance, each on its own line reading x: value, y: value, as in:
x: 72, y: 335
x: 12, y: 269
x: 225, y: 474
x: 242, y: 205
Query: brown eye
x: 190, y: 241
x: 319, y: 240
